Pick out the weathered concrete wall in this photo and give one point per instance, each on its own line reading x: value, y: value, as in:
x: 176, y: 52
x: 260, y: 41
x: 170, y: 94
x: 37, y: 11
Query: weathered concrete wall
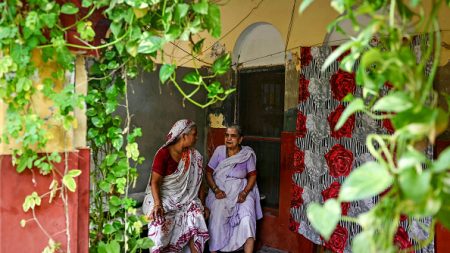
x: 155, y: 107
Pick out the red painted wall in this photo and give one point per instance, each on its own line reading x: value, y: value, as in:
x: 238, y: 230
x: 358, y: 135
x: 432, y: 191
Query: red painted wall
x: 15, y: 187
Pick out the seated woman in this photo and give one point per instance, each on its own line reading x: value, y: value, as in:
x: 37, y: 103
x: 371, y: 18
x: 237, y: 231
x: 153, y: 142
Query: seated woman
x: 176, y: 222
x: 233, y: 199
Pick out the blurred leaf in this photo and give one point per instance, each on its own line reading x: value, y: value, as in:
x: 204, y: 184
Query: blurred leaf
x: 357, y: 186
x: 166, y: 72
x: 181, y: 10
x: 338, y: 5
x: 394, y: 102
x: 304, y: 5
x: 149, y: 43
x: 356, y: 105
x: 108, y: 229
x: 443, y: 161
x: 324, y: 218
x: 212, y: 20
x: 415, y: 185
x: 363, y: 242
x: 442, y: 215
x: 411, y: 158
x: 145, y: 243
x: 69, y: 8
x: 201, y: 7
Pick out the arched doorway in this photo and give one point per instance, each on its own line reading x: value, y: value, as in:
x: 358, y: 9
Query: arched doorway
x: 259, y: 57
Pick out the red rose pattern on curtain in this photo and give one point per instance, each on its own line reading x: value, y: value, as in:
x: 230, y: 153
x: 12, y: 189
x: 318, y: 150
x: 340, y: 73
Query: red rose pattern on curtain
x: 323, y: 157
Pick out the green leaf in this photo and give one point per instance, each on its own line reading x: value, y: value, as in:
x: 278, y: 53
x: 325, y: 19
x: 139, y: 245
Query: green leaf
x: 69, y: 8
x: 74, y: 173
x: 166, y: 72
x: 415, y: 185
x: 86, y: 3
x: 410, y: 159
x: 69, y: 182
x: 213, y: 21
x: 336, y: 53
x: 193, y: 78
x: 443, y: 161
x: 113, y: 247
x: 132, y: 48
x: 145, y: 243
x: 108, y: 229
x: 355, y: 106
x: 366, y: 181
x: 117, y: 142
x: 110, y: 106
x: 442, y: 215
x: 132, y: 151
x: 197, y: 48
x: 363, y: 242
x: 115, y: 201
x: 180, y: 11
x: 414, y: 3
x: 173, y: 33
x: 305, y: 4
x: 116, y: 28
x: 222, y: 64
x: 149, y: 43
x: 201, y: 7
x: 338, y: 5
x: 324, y: 218
x: 110, y: 159
x: 394, y: 102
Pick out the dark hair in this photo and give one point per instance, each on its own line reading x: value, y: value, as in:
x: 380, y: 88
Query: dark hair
x: 238, y: 129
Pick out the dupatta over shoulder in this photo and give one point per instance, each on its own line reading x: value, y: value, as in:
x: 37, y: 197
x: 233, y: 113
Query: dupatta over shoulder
x: 183, y: 211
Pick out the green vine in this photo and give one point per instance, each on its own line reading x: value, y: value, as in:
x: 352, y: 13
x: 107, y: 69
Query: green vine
x: 416, y: 185
x: 33, y: 42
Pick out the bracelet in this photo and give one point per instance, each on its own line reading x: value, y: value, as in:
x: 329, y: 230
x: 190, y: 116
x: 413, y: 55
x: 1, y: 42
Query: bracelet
x: 215, y: 188
x: 246, y: 192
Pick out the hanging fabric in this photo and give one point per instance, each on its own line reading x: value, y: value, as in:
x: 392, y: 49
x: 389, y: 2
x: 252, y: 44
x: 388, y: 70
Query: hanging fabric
x: 324, y: 158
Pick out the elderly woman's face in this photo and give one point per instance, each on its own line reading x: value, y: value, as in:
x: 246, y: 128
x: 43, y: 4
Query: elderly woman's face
x: 191, y: 137
x: 232, y: 138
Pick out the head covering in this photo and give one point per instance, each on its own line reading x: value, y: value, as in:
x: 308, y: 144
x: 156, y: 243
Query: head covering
x: 177, y: 129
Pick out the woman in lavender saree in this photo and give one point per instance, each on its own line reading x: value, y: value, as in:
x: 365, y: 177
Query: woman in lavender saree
x: 233, y: 199
x: 175, y: 212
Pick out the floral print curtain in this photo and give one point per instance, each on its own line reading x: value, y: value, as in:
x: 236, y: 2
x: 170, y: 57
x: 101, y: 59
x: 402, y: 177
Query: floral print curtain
x: 324, y: 157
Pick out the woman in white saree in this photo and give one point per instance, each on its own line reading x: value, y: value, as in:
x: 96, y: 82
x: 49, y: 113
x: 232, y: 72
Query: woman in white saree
x: 176, y: 222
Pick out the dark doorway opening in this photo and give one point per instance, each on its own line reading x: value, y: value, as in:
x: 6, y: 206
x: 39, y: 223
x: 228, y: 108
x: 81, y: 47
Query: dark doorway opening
x: 261, y: 106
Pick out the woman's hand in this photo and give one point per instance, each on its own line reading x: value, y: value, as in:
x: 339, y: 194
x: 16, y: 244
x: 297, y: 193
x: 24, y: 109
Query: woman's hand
x: 219, y: 194
x: 158, y: 213
x: 242, y: 196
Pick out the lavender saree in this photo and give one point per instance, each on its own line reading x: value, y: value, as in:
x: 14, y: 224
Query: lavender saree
x: 232, y: 223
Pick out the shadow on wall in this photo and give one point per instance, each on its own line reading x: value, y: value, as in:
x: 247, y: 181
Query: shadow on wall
x: 155, y: 107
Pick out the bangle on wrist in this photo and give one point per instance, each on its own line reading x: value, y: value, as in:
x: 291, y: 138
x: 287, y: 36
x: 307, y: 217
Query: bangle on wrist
x: 215, y: 188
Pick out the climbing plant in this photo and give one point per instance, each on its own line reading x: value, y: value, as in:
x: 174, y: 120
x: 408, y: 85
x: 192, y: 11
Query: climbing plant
x: 34, y: 39
x: 411, y: 183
